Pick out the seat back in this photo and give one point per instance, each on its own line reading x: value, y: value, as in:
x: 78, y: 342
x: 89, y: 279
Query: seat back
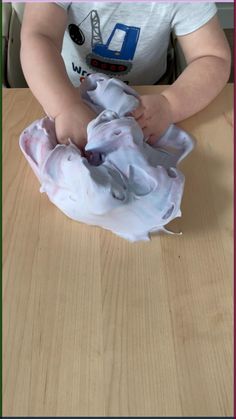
x: 12, y: 19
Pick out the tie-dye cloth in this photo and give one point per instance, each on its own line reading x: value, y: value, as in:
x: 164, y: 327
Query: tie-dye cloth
x: 126, y: 185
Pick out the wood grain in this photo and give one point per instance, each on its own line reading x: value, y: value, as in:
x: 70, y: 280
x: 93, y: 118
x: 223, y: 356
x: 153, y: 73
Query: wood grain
x: 96, y: 326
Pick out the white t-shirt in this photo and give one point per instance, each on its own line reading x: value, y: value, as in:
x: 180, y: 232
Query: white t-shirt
x: 126, y: 40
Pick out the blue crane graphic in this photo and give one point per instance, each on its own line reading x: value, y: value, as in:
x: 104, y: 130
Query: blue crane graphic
x: 102, y: 57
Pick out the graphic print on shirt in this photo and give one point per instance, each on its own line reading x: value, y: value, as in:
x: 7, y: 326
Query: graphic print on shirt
x: 113, y: 57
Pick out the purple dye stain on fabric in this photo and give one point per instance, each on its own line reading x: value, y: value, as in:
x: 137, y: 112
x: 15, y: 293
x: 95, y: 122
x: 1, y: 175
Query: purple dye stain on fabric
x: 124, y: 185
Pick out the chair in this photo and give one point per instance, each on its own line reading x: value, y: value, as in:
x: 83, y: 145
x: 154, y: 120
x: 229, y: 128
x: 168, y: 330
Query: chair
x: 12, y: 18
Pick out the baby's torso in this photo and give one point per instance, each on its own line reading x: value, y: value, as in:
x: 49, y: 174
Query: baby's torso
x: 113, y: 39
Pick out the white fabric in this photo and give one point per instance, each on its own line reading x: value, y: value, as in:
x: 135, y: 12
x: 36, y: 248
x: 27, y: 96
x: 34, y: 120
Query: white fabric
x: 143, y: 52
x: 126, y: 186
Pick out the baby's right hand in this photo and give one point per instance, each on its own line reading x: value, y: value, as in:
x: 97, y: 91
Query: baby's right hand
x: 72, y: 123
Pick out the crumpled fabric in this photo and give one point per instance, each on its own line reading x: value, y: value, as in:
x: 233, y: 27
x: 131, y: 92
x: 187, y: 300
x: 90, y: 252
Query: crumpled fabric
x: 126, y: 185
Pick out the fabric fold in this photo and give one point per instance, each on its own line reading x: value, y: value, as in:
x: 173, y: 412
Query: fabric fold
x: 126, y: 185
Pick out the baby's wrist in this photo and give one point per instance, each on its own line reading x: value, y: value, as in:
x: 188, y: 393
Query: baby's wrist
x: 169, y: 110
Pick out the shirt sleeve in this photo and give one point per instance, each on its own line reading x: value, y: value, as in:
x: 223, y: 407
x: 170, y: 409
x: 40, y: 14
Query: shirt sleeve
x: 64, y: 5
x: 188, y: 17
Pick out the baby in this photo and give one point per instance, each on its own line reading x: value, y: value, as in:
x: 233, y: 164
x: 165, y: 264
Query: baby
x: 63, y: 42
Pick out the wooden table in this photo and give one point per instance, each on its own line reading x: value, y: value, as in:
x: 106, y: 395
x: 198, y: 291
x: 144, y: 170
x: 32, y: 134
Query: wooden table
x: 97, y: 326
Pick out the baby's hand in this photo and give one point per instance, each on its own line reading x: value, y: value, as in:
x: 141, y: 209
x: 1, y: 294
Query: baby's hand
x: 72, y: 123
x: 153, y: 115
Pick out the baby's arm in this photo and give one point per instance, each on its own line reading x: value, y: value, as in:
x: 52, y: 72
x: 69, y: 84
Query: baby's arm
x: 208, y: 60
x: 208, y: 67
x: 41, y: 42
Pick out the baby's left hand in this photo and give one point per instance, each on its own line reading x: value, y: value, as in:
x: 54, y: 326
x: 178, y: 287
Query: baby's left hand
x: 153, y: 116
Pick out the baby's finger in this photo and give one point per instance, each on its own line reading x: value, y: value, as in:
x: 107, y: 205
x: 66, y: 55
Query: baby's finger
x: 79, y: 142
x: 146, y: 132
x: 63, y: 140
x: 138, y: 112
x: 152, y: 139
x: 142, y: 121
